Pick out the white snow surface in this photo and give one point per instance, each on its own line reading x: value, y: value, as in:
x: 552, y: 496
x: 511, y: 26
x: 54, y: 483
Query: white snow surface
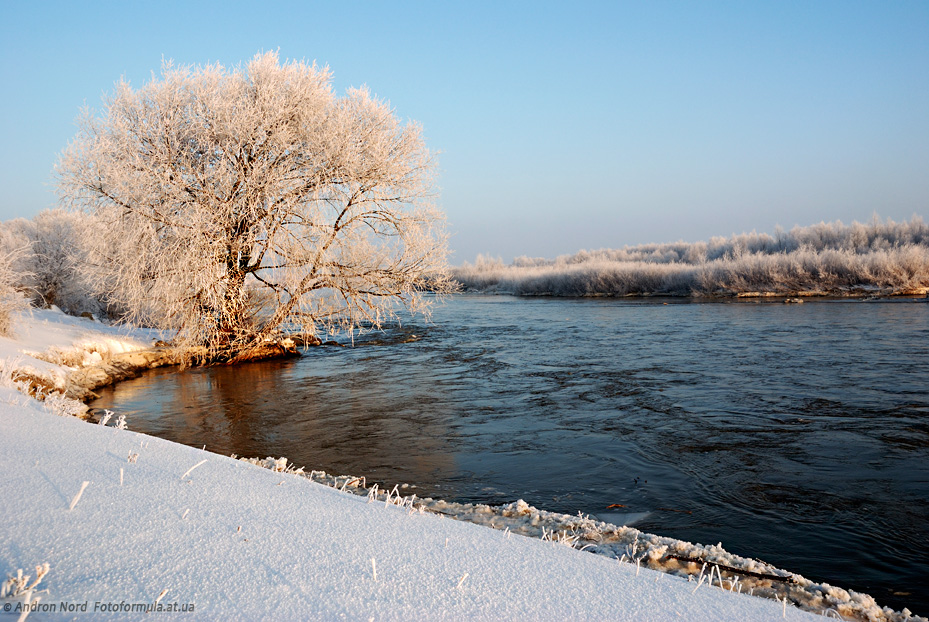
x: 245, y: 543
x: 239, y: 542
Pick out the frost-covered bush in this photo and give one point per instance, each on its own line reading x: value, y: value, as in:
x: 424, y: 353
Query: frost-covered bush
x: 53, y: 267
x: 19, y: 585
x: 58, y: 404
x: 12, y: 299
x: 825, y: 257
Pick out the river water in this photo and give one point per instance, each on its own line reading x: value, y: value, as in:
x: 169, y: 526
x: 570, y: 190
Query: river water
x: 797, y: 434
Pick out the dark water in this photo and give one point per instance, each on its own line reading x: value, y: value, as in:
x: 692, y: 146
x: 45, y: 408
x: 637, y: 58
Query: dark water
x: 798, y: 434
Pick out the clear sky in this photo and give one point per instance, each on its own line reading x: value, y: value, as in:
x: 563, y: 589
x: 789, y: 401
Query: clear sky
x: 560, y: 126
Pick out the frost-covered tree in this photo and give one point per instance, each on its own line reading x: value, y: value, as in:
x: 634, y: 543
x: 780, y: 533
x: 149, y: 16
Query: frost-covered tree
x: 232, y: 204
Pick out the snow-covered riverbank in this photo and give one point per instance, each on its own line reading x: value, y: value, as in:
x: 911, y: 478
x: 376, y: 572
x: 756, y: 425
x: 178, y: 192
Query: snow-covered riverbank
x: 57, y: 353
x: 228, y: 539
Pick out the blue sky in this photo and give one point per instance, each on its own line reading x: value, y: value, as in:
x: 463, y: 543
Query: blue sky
x: 560, y: 127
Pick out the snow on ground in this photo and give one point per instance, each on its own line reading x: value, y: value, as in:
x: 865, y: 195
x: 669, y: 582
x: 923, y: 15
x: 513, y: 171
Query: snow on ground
x: 241, y: 542
x: 49, y: 344
x: 129, y: 523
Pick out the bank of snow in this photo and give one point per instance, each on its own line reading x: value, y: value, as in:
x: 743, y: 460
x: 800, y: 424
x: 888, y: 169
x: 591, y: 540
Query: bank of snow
x: 241, y: 542
x: 57, y: 353
x: 128, y: 522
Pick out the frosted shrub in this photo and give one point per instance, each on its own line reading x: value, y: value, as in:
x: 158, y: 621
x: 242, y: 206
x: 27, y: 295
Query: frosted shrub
x: 8, y: 376
x: 825, y: 257
x: 19, y: 585
x: 57, y: 404
x: 11, y: 299
x: 11, y: 302
x: 49, y: 266
x: 58, y: 255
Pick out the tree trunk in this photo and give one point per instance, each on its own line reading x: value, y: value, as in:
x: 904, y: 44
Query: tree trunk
x: 234, y: 324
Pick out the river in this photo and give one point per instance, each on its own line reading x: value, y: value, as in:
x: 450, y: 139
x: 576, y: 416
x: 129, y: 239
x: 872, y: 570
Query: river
x: 794, y: 433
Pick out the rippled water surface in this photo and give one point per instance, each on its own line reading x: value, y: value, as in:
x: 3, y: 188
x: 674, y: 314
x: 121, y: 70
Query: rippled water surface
x: 798, y: 434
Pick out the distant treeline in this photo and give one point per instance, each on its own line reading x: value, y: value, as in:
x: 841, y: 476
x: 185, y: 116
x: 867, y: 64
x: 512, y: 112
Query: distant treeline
x: 828, y: 258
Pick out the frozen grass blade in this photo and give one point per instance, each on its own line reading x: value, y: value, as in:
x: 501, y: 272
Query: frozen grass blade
x: 461, y: 581
x: 699, y: 583
x: 374, y: 568
x: 188, y: 471
x: 29, y: 601
x: 395, y: 491
x: 77, y: 497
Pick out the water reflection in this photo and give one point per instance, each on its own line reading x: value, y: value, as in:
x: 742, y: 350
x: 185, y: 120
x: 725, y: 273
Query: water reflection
x: 317, y: 420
